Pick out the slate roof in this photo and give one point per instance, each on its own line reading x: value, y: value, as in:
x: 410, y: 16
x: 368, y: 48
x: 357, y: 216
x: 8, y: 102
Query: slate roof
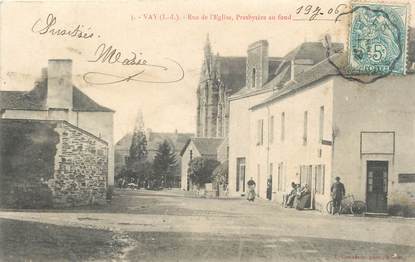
x: 205, y: 145
x: 316, y: 73
x: 314, y: 51
x: 35, y: 99
x: 311, y: 50
x: 322, y: 70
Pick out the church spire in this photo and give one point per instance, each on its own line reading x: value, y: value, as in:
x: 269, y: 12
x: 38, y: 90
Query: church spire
x: 139, y: 121
x: 208, y: 57
x: 208, y: 49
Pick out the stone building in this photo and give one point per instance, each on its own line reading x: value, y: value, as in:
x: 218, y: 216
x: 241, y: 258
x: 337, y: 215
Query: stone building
x: 51, y: 163
x: 54, y: 97
x: 308, y: 125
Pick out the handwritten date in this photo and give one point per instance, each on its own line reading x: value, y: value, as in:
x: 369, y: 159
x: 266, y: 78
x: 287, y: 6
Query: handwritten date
x: 315, y: 12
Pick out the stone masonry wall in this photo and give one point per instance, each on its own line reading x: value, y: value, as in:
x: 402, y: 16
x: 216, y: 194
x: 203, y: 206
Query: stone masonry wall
x: 80, y: 176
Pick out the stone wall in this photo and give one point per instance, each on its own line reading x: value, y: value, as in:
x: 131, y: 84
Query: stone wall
x: 80, y: 176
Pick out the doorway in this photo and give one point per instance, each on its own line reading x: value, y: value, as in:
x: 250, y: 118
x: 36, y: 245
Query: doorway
x: 377, y: 186
x: 240, y: 174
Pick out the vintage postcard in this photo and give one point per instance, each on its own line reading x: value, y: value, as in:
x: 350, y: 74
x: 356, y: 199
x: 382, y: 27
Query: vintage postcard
x: 190, y: 130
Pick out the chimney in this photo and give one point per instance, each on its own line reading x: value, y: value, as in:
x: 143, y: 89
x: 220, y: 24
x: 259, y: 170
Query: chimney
x: 292, y: 70
x: 59, y: 75
x: 257, y: 64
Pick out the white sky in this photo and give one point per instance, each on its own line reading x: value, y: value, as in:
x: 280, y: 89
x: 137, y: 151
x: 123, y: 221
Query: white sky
x: 166, y: 107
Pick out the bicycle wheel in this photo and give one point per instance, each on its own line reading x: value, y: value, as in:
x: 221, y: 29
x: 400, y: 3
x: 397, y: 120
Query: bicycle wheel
x: 329, y: 207
x: 358, y: 208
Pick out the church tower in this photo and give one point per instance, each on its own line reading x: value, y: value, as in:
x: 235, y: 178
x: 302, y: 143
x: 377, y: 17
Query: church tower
x: 207, y: 95
x: 220, y: 77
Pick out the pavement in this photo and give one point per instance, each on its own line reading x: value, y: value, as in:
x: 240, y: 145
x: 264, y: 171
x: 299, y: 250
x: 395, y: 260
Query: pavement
x: 172, y: 225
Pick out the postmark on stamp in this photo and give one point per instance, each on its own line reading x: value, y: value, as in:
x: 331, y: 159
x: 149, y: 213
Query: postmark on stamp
x: 378, y: 39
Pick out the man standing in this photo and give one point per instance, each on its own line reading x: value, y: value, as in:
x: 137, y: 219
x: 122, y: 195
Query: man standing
x: 337, y: 193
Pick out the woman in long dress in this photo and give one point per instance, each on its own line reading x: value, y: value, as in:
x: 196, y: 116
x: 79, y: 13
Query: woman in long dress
x: 251, y: 190
x: 304, y: 198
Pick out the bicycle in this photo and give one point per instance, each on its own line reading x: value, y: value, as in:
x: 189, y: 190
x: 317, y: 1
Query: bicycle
x: 348, y: 205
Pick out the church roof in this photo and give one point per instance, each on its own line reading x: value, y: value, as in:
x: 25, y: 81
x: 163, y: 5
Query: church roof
x: 35, y: 99
x: 232, y: 72
x: 205, y: 145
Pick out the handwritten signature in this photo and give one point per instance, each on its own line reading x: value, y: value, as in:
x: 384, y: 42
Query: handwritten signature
x: 110, y: 55
x: 49, y: 27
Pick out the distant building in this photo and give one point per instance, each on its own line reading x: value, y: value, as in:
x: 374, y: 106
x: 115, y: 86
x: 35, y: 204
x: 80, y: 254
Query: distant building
x: 197, y: 147
x: 176, y: 141
x: 309, y: 125
x: 54, y: 97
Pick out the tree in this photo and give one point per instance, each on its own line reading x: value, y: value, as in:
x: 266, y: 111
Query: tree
x: 201, y: 170
x: 138, y: 148
x: 164, y: 164
x: 137, y: 167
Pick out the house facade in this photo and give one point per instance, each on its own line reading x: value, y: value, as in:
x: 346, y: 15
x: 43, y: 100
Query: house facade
x: 315, y: 125
x: 54, y: 97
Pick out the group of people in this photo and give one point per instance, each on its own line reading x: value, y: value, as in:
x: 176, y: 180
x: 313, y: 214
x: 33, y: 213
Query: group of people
x: 300, y: 196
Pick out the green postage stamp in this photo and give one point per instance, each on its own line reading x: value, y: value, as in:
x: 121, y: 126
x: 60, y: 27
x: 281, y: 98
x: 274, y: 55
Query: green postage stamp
x: 378, y: 39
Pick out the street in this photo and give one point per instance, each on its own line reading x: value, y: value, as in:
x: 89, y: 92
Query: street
x: 171, y: 225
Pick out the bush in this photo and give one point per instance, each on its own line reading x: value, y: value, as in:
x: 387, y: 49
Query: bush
x: 220, y: 175
x: 201, y: 170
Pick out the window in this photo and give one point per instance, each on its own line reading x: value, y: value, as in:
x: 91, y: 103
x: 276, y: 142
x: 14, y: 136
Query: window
x: 306, y: 174
x: 260, y: 132
x: 321, y: 125
x: 253, y: 78
x: 305, y: 128
x: 271, y: 129
x: 319, y: 171
x: 282, y: 126
x: 280, y: 177
x: 240, y: 174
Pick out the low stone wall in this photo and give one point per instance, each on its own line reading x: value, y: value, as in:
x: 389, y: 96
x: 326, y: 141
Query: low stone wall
x: 50, y: 164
